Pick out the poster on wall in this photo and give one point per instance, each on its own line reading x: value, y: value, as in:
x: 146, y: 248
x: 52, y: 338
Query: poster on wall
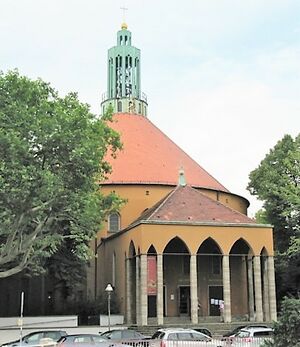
x: 151, y: 275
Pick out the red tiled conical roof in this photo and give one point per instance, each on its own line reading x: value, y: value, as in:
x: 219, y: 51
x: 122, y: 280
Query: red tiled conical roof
x: 150, y: 157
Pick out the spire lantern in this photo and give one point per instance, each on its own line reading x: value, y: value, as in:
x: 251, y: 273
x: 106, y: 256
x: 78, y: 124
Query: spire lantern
x: 181, y: 179
x: 124, y: 77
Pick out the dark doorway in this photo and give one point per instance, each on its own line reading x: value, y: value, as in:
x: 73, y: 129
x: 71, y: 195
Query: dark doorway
x: 215, y: 294
x: 184, y: 300
x: 151, y: 305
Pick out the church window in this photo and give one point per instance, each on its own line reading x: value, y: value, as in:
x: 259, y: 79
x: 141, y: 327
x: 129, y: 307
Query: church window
x: 119, y: 106
x: 140, y: 108
x: 114, y: 222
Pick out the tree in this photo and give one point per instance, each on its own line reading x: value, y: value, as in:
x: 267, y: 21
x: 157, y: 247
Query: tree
x: 287, y: 329
x: 51, y: 163
x: 277, y: 182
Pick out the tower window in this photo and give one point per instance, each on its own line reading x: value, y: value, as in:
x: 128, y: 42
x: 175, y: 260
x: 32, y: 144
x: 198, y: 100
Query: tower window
x: 114, y: 222
x: 119, y: 106
x: 140, y: 108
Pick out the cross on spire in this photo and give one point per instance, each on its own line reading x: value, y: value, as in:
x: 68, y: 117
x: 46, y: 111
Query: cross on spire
x: 124, y: 9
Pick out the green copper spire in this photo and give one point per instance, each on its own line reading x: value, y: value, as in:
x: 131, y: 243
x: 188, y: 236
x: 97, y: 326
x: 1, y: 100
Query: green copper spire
x: 124, y: 77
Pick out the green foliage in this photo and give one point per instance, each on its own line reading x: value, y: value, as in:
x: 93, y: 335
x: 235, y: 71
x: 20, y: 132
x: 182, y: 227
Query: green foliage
x: 287, y: 329
x: 277, y: 182
x: 52, y: 153
x: 98, y: 306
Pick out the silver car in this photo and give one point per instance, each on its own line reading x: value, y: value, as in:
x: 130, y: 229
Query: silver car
x: 251, y: 337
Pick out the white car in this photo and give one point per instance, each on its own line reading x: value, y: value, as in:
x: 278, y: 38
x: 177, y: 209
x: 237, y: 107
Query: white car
x: 251, y: 337
x: 180, y: 337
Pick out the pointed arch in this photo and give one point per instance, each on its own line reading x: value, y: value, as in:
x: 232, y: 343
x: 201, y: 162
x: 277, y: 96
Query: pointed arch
x: 176, y: 245
x: 241, y: 247
x: 264, y: 252
x: 152, y: 250
x: 131, y: 250
x: 209, y: 246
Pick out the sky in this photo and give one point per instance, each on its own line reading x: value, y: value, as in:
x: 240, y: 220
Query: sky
x: 222, y: 77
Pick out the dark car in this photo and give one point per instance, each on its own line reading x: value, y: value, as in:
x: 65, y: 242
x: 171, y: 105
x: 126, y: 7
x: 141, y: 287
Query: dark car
x: 124, y: 334
x: 81, y: 338
x: 35, y: 337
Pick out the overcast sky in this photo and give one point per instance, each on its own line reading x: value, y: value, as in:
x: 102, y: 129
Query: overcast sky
x: 222, y: 76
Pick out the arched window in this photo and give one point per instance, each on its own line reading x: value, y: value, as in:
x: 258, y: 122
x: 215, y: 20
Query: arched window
x: 114, y: 222
x: 119, y: 106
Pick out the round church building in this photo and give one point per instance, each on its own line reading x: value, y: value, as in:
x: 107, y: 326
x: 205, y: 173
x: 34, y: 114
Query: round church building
x: 181, y: 248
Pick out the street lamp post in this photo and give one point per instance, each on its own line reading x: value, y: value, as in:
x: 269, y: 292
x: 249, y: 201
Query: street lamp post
x: 109, y: 289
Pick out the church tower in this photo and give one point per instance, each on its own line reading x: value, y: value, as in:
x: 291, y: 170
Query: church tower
x: 124, y: 77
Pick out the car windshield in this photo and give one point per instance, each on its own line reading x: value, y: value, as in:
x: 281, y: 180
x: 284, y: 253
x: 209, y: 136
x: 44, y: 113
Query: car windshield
x: 243, y: 333
x: 33, y: 338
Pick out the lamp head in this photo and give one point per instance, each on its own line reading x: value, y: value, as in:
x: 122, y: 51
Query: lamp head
x: 109, y: 288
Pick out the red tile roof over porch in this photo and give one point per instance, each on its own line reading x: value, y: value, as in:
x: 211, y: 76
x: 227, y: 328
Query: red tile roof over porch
x: 189, y: 205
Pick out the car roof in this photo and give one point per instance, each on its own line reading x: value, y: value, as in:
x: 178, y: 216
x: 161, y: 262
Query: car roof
x: 174, y: 329
x: 84, y: 334
x: 251, y: 329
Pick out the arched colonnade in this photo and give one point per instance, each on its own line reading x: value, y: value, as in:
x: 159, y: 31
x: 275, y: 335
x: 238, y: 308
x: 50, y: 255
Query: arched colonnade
x: 176, y: 282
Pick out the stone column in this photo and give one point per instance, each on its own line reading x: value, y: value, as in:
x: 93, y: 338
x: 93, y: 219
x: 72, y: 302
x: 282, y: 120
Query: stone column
x: 257, y: 287
x: 143, y: 289
x: 137, y: 290
x: 250, y: 288
x: 193, y: 288
x: 160, y: 291
x: 226, y: 289
x: 266, y: 307
x: 128, y: 291
x: 272, y: 292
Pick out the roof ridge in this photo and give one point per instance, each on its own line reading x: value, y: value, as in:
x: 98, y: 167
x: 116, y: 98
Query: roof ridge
x: 163, y: 202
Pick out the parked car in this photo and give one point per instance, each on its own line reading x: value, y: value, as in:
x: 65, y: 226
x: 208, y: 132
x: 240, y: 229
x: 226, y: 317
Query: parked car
x: 233, y: 332
x: 251, y: 337
x: 178, y: 337
x: 203, y: 330
x: 124, y: 334
x: 35, y: 337
x: 81, y: 338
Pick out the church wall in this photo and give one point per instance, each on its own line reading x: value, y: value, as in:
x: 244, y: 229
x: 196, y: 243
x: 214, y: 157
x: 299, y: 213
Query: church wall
x: 193, y: 236
x: 233, y: 201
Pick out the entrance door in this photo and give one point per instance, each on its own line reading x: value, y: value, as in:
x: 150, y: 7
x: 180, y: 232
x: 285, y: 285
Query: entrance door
x: 151, y: 305
x: 215, y: 294
x: 184, y: 300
